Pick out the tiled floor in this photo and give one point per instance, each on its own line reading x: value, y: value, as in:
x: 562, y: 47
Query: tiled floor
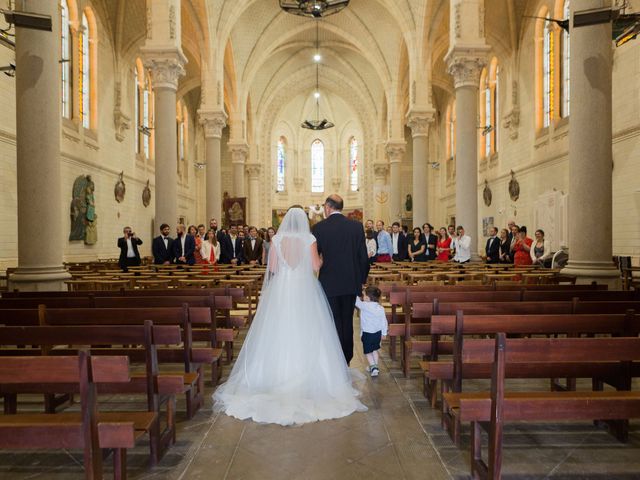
x: 398, y: 438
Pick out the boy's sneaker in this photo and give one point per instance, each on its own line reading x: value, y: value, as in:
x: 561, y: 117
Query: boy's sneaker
x: 375, y: 371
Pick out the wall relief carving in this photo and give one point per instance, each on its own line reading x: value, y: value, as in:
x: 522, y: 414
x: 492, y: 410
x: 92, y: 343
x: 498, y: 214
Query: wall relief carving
x: 84, y: 221
x: 146, y: 195
x: 514, y: 187
x: 120, y: 189
x: 487, y: 195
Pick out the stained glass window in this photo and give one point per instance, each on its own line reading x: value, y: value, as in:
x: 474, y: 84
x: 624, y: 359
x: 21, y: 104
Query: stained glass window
x: 66, y: 65
x: 317, y: 167
x: 85, y: 74
x: 280, y: 164
x: 566, y: 55
x: 353, y: 164
x: 547, y: 73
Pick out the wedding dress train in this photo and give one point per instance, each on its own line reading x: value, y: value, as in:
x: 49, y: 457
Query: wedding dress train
x: 291, y: 368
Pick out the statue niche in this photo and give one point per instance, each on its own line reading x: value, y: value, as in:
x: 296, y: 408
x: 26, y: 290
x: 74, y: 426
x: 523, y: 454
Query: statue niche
x: 84, y: 221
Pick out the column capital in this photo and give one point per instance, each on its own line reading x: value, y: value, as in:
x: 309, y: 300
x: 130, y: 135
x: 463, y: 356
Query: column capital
x: 239, y: 152
x: 381, y: 169
x: 465, y: 65
x: 419, y: 120
x: 213, y: 122
x: 253, y: 170
x: 395, y: 151
x: 166, y: 65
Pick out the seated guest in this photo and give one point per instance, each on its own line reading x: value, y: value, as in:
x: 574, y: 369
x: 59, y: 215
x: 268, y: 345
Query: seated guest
x: 463, y: 246
x: 399, y: 243
x: 161, y: 248
x: 372, y: 246
x: 385, y: 248
x: 184, y: 247
x: 443, y: 247
x: 541, y: 250
x: 417, y: 246
x: 431, y: 241
x: 210, y: 249
x: 128, y: 245
x: 521, y: 248
x: 505, y: 247
x: 252, y: 249
x: 492, y: 248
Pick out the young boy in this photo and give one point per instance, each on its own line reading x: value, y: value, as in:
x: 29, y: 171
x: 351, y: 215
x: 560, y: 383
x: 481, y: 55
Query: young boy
x: 373, y: 325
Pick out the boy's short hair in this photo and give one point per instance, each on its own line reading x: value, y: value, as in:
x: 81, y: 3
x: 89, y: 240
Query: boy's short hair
x: 373, y: 293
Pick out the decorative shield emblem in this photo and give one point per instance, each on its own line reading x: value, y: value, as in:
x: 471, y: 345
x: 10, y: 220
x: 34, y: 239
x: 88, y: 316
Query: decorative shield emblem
x: 120, y: 188
x: 146, y: 195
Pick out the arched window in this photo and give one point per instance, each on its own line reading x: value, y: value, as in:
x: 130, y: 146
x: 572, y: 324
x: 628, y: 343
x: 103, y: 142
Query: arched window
x: 564, y: 68
x: 88, y: 69
x: 143, y: 111
x: 317, y: 166
x: 489, y: 109
x: 353, y: 164
x: 451, y: 129
x: 66, y: 65
x: 281, y: 160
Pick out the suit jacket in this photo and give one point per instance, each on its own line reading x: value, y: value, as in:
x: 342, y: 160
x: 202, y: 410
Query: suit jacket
x: 252, y: 254
x: 189, y: 249
x: 430, y: 252
x: 161, y: 253
x: 345, y: 267
x: 492, y: 250
x: 403, y: 245
x: 227, y: 251
x: 122, y: 245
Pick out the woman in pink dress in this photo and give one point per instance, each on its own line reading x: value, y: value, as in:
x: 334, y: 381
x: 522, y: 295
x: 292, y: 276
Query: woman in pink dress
x: 443, y: 247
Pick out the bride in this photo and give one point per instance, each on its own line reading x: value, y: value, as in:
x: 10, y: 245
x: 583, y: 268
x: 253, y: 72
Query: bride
x: 291, y: 368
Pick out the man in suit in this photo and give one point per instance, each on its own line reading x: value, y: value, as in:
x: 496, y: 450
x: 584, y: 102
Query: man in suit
x: 344, y: 269
x: 231, y: 247
x: 162, y: 246
x: 253, y: 247
x: 184, y: 247
x: 128, y: 245
x: 492, y: 249
x: 399, y: 243
x: 431, y: 240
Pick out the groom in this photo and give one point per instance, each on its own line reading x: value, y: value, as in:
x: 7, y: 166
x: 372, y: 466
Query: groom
x: 344, y: 269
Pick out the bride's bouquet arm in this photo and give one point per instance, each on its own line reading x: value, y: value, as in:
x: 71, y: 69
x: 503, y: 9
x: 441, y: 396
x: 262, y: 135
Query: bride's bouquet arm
x: 316, y: 259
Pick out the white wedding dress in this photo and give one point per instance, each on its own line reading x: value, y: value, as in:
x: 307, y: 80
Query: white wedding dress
x: 291, y: 368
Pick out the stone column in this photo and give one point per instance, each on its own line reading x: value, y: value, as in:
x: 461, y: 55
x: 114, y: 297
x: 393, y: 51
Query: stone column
x: 166, y: 68
x: 465, y: 69
x: 253, y: 170
x: 419, y: 122
x: 395, y: 152
x: 239, y: 154
x: 590, y: 152
x: 38, y: 155
x: 213, y: 123
x: 380, y: 196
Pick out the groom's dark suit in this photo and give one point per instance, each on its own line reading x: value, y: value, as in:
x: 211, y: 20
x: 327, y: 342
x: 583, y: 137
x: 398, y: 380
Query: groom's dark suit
x: 344, y: 270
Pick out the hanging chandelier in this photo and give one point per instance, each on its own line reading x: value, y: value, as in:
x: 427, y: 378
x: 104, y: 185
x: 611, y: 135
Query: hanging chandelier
x: 317, y: 124
x: 313, y: 8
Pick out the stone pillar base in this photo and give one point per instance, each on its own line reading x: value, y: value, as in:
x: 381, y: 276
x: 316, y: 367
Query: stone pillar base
x: 600, y: 272
x: 42, y: 279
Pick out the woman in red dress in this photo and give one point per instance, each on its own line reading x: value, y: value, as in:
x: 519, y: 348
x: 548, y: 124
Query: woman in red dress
x: 521, y: 248
x: 196, y: 236
x: 443, y: 247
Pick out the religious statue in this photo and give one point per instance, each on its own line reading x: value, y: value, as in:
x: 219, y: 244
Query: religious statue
x: 514, y: 187
x: 84, y: 221
x: 146, y: 195
x: 120, y: 189
x: 486, y: 194
x: 235, y: 213
x: 408, y: 204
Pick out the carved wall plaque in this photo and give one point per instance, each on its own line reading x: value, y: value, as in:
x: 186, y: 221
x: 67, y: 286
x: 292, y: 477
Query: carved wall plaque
x: 514, y: 187
x: 120, y: 189
x: 487, y: 195
x: 146, y: 195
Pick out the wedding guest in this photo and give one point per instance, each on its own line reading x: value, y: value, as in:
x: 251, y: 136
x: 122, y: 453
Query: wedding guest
x: 443, y: 247
x: 463, y: 246
x: 184, y: 247
x: 369, y: 225
x: 372, y: 246
x: 210, y: 249
x: 492, y: 248
x: 513, y: 235
x: 373, y: 326
x: 266, y: 245
x: 399, y: 243
x: 417, y: 246
x: 521, y: 248
x: 253, y: 247
x: 541, y: 250
x: 451, y: 229
x: 194, y: 232
x: 128, y: 245
x: 431, y: 241
x: 202, y: 232
x: 385, y: 248
x: 505, y: 247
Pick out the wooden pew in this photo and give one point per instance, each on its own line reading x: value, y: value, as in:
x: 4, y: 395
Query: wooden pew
x: 451, y: 373
x: 159, y: 389
x: 499, y: 406
x: 88, y: 430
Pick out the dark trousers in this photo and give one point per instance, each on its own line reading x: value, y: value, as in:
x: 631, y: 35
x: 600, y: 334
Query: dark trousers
x: 129, y: 262
x: 342, y: 308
